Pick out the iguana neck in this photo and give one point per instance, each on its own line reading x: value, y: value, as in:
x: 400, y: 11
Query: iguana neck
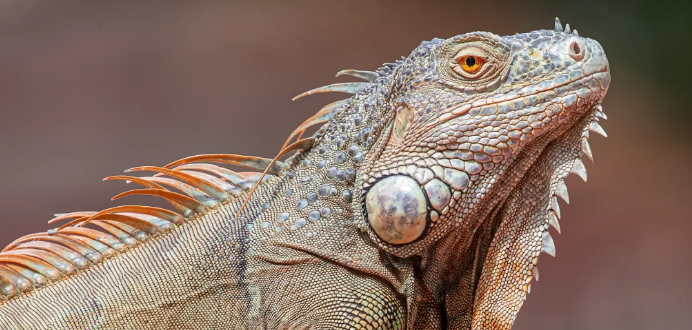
x: 310, y: 206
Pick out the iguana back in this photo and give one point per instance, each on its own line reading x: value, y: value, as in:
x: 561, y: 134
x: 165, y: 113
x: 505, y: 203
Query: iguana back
x: 423, y: 201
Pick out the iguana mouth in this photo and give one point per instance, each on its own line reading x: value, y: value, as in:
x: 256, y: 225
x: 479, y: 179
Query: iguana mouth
x: 503, y: 105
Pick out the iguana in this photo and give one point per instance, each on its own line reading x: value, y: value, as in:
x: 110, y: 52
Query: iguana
x: 422, y: 201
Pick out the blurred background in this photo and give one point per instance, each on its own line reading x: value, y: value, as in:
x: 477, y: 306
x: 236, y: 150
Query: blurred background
x: 88, y: 89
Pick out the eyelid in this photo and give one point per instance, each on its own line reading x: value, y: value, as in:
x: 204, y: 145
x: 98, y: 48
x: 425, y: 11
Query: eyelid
x: 472, y: 51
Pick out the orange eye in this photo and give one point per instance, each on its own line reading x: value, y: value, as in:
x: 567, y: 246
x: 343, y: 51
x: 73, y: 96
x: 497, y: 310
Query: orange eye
x: 471, y: 64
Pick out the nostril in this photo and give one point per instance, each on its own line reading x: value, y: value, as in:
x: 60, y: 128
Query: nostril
x: 576, y: 49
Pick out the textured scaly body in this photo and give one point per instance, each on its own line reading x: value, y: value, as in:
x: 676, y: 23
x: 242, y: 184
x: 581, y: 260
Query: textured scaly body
x: 422, y: 202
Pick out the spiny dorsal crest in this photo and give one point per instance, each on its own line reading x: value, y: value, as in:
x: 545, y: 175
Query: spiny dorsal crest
x: 199, y: 187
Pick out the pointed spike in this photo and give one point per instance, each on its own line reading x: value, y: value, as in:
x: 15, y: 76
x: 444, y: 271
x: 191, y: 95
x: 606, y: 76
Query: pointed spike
x: 586, y: 149
x: 365, y: 75
x: 529, y: 288
x: 186, y: 201
x: 304, y: 144
x: 535, y: 273
x: 10, y: 276
x: 596, y: 128
x: 307, y: 124
x: 32, y: 263
x: 27, y: 238
x: 37, y: 279
x: 74, y: 244
x: 158, y: 222
x: 101, y: 237
x: 601, y: 115
x: 104, y: 251
x: 208, y: 187
x: 71, y: 215
x: 228, y: 175
x: 234, y: 182
x: 548, y: 244
x: 579, y: 169
x: 558, y: 25
x: 134, y: 179
x: 62, y: 239
x: 54, y: 260
x: 148, y: 184
x: 113, y: 230
x: 561, y: 191
x: 130, y: 220
x: 75, y: 222
x: 138, y: 223
x: 65, y: 253
x: 567, y: 29
x: 189, y: 190
x: 350, y: 88
x: 555, y: 206
x: 148, y: 210
x: 251, y: 162
x: 318, y: 119
x: 254, y: 177
x: 553, y: 221
x: 136, y: 233
x: 575, y: 33
x: 219, y: 182
x: 249, y: 179
x: 334, y: 106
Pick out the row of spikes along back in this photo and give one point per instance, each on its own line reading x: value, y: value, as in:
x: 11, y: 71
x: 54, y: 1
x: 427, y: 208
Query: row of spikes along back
x: 36, y: 260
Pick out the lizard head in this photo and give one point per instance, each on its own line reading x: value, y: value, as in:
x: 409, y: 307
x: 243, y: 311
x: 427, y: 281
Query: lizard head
x: 467, y: 121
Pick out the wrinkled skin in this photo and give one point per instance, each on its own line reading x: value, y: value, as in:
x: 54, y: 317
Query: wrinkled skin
x: 423, y: 203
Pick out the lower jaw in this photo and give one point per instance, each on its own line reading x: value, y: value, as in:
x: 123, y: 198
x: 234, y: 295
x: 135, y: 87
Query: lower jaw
x: 549, y: 159
x: 559, y: 157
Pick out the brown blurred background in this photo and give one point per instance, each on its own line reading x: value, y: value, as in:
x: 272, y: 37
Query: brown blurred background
x: 89, y: 88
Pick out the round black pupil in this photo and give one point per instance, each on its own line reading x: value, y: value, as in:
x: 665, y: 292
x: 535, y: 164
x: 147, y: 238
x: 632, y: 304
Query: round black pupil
x: 470, y: 61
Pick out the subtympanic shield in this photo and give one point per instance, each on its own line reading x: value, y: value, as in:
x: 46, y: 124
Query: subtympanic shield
x: 397, y: 209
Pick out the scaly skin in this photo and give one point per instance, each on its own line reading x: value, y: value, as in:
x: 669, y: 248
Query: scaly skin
x: 450, y: 240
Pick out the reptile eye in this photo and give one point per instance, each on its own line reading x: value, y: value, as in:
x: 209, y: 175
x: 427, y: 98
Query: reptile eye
x: 471, y: 64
